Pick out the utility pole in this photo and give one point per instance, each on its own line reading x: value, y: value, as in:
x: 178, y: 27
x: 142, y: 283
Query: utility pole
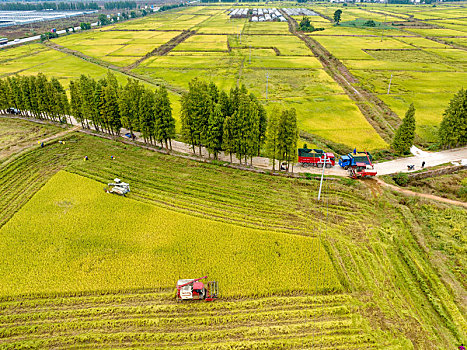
x: 389, y: 87
x: 250, y: 54
x: 267, y: 80
x: 322, y: 176
x: 383, y: 27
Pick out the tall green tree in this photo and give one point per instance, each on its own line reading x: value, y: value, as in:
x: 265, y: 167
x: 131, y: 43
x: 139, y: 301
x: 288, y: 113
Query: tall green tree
x: 103, y: 20
x: 453, y: 128
x: 76, y: 102
x: 229, y: 135
x: 61, y: 105
x: 242, y: 119
x: 87, y: 89
x: 146, y: 115
x: 4, y: 95
x: 40, y: 95
x: 164, y: 127
x: 262, y: 123
x: 337, y: 16
x: 15, y: 92
x: 287, y: 137
x: 33, y: 93
x: 405, y: 134
x: 128, y: 105
x: 215, y: 131
x: 196, y: 108
x: 27, y: 96
x: 109, y: 109
x: 305, y: 25
x: 272, y: 135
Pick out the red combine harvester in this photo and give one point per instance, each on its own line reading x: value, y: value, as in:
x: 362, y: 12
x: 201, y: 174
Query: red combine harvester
x: 192, y: 289
x: 362, y: 170
x: 315, y: 157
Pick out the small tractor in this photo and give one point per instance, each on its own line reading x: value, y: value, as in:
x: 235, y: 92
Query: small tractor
x: 362, y: 169
x: 192, y: 289
x: 118, y: 187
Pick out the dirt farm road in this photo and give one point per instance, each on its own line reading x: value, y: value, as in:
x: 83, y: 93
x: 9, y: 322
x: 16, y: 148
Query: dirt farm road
x: 398, y: 165
x: 422, y: 195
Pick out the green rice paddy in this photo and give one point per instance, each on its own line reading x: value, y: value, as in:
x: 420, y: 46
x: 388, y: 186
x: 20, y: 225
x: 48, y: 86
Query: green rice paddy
x: 228, y: 52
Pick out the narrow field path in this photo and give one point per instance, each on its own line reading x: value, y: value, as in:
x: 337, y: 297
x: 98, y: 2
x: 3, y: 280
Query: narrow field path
x: 376, y: 112
x: 421, y: 195
x: 163, y: 49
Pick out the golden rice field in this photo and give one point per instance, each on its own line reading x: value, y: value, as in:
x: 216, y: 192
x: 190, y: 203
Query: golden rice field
x: 125, y: 245
x: 82, y: 268
x: 364, y: 268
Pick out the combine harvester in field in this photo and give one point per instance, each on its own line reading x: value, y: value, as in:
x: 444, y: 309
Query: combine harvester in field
x: 315, y: 157
x: 358, y: 164
x: 118, y: 187
x: 192, y: 289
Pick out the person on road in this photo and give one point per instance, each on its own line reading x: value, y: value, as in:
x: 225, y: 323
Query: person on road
x: 423, y: 164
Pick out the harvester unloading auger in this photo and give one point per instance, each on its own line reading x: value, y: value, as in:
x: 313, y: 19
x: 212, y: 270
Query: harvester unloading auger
x: 192, y: 289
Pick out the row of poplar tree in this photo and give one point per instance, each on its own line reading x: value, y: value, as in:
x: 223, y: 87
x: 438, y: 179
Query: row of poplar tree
x: 35, y: 96
x: 107, y: 106
x: 102, y: 104
x: 236, y: 123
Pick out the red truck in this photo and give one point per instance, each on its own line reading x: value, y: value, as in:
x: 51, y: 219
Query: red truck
x: 315, y: 157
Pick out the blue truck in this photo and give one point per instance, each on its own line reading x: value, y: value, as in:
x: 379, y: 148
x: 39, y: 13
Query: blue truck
x: 351, y: 160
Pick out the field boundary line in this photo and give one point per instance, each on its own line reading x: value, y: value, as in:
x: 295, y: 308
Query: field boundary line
x: 98, y: 62
x: 383, y: 120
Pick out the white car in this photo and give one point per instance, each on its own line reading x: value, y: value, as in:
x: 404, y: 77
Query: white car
x: 16, y: 40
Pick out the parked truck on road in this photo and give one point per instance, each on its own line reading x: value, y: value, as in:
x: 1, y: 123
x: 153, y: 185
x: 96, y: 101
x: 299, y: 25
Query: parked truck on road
x: 359, y: 164
x: 315, y: 157
x: 351, y: 159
